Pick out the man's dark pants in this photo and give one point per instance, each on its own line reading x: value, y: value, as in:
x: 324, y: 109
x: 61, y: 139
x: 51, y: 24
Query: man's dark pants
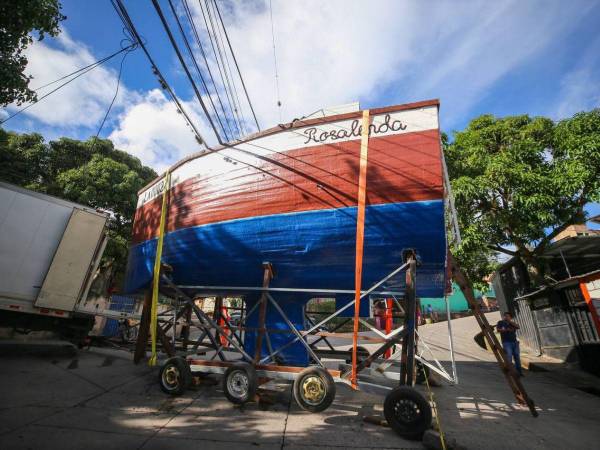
x: 512, y: 351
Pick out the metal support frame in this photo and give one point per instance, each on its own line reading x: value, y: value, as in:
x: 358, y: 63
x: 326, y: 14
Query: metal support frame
x: 407, y: 375
x: 451, y: 340
x: 208, y: 323
x: 294, y: 330
x: 262, y: 312
x: 334, y: 314
x: 380, y: 360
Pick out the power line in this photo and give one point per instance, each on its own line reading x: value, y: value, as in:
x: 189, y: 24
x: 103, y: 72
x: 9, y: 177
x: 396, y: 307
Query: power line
x: 126, y: 19
x: 191, y: 53
x: 229, y: 72
x: 185, y: 68
x: 237, y: 66
x: 203, y: 53
x: 212, y: 44
x: 116, y: 92
x: 79, y: 73
x: 275, y: 60
x: 221, y: 48
x: 106, y: 58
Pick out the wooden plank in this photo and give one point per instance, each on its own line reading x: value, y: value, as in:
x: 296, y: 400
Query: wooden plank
x: 262, y: 313
x: 505, y: 365
x: 269, y: 367
x: 349, y: 336
x: 143, y: 333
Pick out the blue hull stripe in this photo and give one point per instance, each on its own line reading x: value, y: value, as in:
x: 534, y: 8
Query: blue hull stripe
x: 314, y: 249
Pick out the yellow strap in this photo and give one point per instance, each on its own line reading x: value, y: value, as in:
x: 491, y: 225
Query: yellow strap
x: 360, y: 235
x: 435, y: 410
x: 156, y: 276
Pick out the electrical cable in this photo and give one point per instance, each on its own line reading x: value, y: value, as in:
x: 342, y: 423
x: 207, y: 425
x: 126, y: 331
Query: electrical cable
x: 80, y: 73
x: 122, y: 12
x: 203, y: 53
x: 126, y: 19
x: 185, y: 68
x: 275, y: 61
x: 116, y: 92
x: 234, y: 95
x: 212, y: 44
x: 191, y: 53
x: 221, y: 51
x: 78, y: 70
x: 237, y: 66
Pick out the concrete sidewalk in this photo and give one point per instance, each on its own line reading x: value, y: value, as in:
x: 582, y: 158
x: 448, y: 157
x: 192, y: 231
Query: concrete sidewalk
x: 99, y: 399
x: 481, y: 411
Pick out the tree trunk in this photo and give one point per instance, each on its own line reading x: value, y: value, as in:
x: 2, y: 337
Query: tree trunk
x: 535, y: 269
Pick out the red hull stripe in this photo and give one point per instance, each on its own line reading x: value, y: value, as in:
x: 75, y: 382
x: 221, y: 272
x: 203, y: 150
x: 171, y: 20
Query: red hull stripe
x: 402, y: 168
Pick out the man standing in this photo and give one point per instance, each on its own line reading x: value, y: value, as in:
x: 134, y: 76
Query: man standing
x: 430, y: 313
x: 508, y: 332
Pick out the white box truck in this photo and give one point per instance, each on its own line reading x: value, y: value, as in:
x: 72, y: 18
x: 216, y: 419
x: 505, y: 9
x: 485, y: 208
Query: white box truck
x: 49, y: 251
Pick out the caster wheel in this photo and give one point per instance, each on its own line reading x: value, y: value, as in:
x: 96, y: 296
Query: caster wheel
x: 407, y: 412
x: 240, y: 383
x: 422, y: 373
x: 361, y: 354
x: 314, y: 389
x: 175, y: 376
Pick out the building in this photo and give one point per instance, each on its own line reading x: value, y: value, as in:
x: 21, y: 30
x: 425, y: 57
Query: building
x: 561, y: 317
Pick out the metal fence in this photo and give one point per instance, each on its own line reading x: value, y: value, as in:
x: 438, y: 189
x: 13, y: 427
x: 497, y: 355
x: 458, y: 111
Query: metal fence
x: 118, y: 303
x: 528, y: 333
x: 557, y: 323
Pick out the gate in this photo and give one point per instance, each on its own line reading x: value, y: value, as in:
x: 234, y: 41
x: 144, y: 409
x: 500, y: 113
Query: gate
x: 528, y: 335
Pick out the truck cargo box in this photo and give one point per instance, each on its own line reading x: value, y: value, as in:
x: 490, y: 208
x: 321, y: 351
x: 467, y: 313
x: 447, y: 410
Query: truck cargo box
x: 49, y: 250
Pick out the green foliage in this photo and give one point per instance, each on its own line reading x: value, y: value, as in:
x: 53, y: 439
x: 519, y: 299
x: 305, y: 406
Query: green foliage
x: 90, y: 172
x: 18, y: 18
x: 518, y: 181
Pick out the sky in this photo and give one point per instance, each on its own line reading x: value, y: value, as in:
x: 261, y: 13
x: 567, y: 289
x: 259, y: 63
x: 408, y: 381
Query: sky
x: 504, y: 58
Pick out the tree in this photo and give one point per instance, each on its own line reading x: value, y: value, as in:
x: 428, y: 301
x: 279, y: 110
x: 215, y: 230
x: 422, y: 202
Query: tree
x: 90, y: 172
x: 18, y: 18
x: 518, y: 182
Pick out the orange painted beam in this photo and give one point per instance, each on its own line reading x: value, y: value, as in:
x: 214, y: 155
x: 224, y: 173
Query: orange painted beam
x: 360, y: 236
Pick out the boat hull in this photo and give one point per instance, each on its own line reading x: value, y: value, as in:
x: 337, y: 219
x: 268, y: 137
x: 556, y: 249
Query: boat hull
x: 289, y: 196
x: 309, y: 250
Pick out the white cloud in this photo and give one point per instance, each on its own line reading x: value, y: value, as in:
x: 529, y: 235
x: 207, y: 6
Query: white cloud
x: 81, y: 103
x: 328, y: 53
x: 336, y: 52
x: 155, y: 132
x: 579, y: 87
x: 579, y: 92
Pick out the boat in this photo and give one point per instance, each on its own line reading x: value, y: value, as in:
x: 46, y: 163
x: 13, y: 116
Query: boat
x: 288, y: 196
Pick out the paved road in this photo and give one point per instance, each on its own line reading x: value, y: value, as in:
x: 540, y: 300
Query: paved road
x: 99, y: 399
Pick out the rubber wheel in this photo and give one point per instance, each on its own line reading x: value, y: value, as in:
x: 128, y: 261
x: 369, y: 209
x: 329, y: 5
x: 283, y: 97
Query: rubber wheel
x: 240, y: 383
x: 407, y: 412
x: 314, y: 389
x: 422, y: 373
x: 361, y: 354
x: 175, y: 376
